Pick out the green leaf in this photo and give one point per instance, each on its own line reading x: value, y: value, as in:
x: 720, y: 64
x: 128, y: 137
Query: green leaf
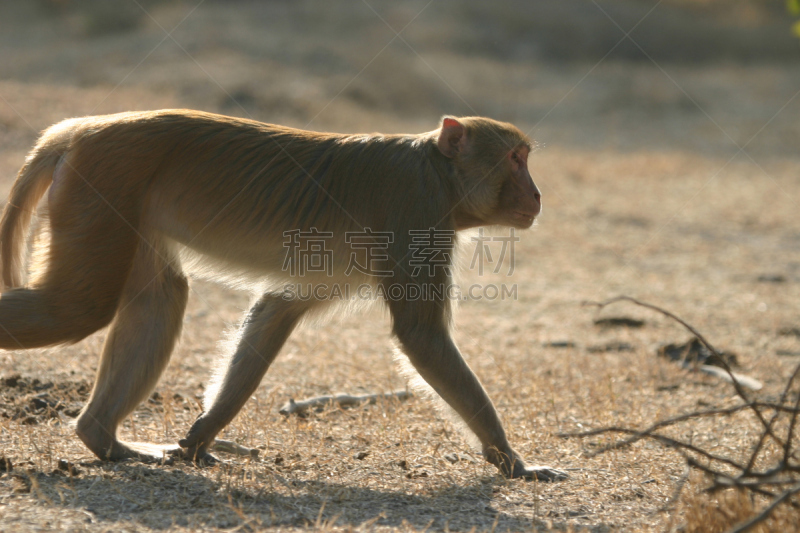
x: 793, y: 6
x: 796, y: 28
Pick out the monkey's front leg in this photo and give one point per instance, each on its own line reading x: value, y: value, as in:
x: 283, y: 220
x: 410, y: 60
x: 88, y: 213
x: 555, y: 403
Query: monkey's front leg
x: 263, y: 333
x: 436, y: 358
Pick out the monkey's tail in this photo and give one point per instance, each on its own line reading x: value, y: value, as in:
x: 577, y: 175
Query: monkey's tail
x: 33, y: 179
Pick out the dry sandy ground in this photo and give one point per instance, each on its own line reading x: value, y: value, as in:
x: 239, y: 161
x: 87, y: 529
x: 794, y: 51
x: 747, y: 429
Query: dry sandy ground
x: 646, y: 193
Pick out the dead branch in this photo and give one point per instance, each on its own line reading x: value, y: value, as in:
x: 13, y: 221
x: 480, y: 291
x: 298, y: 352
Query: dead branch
x: 638, y: 435
x: 772, y: 421
x: 763, y: 515
x: 342, y: 400
x: 764, y: 483
x: 727, y: 375
x: 739, y: 389
x: 231, y: 447
x: 716, y: 475
x: 648, y: 432
x: 688, y: 416
x: 787, y: 448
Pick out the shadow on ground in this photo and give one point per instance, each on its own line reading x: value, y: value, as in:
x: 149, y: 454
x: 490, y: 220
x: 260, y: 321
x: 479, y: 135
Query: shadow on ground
x: 165, y: 497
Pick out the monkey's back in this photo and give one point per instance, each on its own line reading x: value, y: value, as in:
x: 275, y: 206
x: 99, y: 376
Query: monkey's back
x: 232, y: 188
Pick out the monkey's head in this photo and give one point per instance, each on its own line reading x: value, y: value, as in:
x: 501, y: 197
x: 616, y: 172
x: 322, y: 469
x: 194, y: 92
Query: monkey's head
x: 491, y: 162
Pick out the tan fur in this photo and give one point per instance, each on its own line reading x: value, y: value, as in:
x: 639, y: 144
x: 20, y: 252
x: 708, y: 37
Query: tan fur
x: 136, y: 197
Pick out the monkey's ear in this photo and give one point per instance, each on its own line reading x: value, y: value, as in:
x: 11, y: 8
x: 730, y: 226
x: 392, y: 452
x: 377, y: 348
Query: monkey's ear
x: 452, y: 138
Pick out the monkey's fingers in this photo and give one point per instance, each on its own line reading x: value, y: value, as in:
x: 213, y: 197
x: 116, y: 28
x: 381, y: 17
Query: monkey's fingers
x: 541, y: 473
x: 205, y: 459
x: 195, y: 447
x: 200, y: 457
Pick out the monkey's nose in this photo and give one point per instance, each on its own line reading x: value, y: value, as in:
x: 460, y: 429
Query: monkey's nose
x: 537, y: 207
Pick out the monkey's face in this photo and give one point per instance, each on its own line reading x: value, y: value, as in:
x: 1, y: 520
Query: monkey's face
x: 497, y: 188
x: 519, y: 200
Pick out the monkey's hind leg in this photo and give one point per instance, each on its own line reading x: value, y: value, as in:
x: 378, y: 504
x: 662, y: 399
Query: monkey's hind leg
x: 264, y: 331
x: 140, y: 341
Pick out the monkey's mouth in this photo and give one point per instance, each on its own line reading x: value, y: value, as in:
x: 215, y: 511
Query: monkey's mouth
x: 523, y: 216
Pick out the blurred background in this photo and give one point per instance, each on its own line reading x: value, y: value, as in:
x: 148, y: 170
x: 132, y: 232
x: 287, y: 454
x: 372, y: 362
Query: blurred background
x: 700, y: 75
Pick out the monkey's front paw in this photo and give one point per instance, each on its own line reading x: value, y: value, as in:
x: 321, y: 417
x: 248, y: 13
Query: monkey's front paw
x: 205, y: 459
x: 540, y: 473
x: 195, y: 445
x: 200, y: 456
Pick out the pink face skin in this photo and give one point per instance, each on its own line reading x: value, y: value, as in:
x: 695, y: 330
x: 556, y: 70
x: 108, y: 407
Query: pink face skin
x: 520, y: 199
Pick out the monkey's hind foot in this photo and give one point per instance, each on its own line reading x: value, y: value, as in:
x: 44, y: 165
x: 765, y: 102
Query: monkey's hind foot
x: 539, y: 473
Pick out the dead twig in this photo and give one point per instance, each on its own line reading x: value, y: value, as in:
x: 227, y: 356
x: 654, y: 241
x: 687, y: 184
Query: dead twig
x: 676, y: 420
x: 342, y: 400
x: 639, y: 435
x: 736, y: 384
x: 727, y: 375
x: 764, y: 483
x: 760, y: 517
x: 772, y: 421
x: 231, y: 447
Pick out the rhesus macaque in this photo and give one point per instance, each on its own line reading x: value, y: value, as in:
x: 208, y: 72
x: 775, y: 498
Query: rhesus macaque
x: 136, y: 198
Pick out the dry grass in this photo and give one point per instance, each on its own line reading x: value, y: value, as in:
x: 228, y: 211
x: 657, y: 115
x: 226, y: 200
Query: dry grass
x: 769, y: 475
x: 641, y: 197
x: 721, y: 513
